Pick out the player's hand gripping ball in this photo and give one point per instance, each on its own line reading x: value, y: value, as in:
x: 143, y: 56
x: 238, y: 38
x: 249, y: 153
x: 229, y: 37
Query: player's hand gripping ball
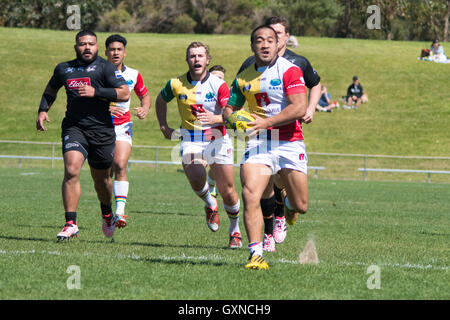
x: 238, y: 121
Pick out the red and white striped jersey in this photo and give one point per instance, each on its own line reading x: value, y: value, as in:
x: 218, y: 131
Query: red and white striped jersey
x: 135, y: 82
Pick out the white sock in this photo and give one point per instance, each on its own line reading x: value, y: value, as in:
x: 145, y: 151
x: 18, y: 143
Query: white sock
x: 233, y: 216
x: 256, y: 248
x: 120, y: 195
x: 206, y: 196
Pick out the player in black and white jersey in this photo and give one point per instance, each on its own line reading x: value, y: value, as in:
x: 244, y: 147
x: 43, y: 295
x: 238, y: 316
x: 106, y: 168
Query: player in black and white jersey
x: 91, y: 83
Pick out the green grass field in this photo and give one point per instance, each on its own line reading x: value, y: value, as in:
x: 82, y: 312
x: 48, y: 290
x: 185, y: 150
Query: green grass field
x: 167, y: 251
x: 406, y: 115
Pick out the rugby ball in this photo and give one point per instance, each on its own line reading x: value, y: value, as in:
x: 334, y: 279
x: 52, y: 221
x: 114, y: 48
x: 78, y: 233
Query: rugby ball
x: 239, y: 120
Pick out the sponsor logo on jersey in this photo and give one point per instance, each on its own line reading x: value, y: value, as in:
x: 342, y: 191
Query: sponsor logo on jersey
x: 247, y: 87
x: 295, y: 85
x: 141, y: 90
x: 210, y: 95
x: 182, y: 97
x: 275, y: 82
x: 130, y: 82
x: 91, y: 68
x: 71, y: 145
x: 80, y: 69
x: 69, y: 70
x: 76, y: 83
x: 118, y: 74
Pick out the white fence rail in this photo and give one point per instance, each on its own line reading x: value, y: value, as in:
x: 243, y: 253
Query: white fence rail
x: 428, y: 172
x: 157, y: 161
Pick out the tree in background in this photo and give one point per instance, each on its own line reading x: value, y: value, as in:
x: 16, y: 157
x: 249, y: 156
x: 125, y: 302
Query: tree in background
x: 51, y: 14
x: 390, y: 10
x: 310, y: 17
x: 159, y: 16
x: 431, y: 19
x: 400, y: 19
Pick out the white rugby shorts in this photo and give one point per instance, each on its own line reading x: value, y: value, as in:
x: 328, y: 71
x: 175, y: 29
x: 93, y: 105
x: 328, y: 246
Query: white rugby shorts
x: 277, y: 154
x: 124, y: 132
x: 218, y: 151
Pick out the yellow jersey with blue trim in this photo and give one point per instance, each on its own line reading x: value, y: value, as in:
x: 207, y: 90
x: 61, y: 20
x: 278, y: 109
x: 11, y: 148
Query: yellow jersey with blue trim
x: 210, y: 94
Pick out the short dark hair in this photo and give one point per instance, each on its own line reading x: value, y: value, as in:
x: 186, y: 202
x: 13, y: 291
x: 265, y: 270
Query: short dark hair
x: 355, y: 78
x: 217, y: 67
x: 278, y: 19
x: 263, y: 26
x: 83, y: 33
x: 197, y: 44
x: 115, y: 38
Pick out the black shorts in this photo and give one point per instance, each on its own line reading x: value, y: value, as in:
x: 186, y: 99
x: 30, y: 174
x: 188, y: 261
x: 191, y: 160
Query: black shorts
x: 95, y: 145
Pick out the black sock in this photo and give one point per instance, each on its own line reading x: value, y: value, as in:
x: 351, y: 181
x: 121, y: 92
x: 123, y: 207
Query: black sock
x: 71, y: 216
x: 279, y: 205
x: 268, y: 208
x: 106, y: 210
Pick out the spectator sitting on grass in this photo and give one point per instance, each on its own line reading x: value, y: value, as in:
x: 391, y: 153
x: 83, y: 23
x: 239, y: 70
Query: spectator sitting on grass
x: 354, y: 94
x: 325, y: 104
x: 437, y: 52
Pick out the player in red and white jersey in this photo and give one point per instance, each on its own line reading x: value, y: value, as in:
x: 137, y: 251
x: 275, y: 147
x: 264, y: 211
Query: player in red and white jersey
x: 275, y: 91
x: 219, y: 72
x: 121, y: 117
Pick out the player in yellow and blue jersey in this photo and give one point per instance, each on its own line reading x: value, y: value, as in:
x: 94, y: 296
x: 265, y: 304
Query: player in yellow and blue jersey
x: 201, y: 98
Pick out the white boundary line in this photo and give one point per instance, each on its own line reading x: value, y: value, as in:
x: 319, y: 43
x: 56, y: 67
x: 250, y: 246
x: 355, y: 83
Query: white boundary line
x: 218, y: 258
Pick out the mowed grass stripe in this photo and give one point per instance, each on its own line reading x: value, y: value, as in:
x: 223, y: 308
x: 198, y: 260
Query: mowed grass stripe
x: 167, y: 251
x: 214, y: 259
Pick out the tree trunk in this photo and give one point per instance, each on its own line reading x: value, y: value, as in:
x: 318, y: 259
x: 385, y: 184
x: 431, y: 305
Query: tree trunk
x: 389, y: 35
x: 348, y: 19
x: 446, y: 21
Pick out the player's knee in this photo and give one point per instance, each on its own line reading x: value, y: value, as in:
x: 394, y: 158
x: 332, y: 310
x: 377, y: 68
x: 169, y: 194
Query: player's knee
x: 101, y: 178
x: 250, y: 198
x: 227, y: 192
x: 300, y: 206
x: 120, y: 172
x: 71, y: 172
x: 268, y: 192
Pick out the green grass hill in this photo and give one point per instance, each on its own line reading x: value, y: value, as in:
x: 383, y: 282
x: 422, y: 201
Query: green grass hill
x: 407, y: 112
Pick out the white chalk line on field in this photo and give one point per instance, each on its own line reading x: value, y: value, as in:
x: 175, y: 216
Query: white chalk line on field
x: 217, y: 258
